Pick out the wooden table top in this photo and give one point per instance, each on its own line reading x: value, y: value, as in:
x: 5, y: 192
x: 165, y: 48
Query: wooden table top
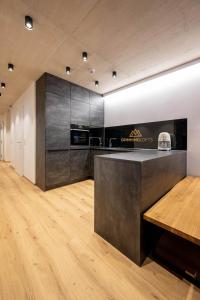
x: 179, y: 210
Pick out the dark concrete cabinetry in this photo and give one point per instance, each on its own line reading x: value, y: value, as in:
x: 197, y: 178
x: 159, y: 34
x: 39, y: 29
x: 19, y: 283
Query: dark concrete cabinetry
x: 57, y: 168
x: 79, y: 93
x: 79, y: 164
x: 57, y: 115
x: 87, y: 107
x: 59, y: 104
x: 52, y: 131
x: 96, y: 110
x: 80, y: 113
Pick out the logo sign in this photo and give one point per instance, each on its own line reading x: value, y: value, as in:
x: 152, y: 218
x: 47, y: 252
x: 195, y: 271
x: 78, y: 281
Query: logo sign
x: 135, y: 133
x: 136, y: 136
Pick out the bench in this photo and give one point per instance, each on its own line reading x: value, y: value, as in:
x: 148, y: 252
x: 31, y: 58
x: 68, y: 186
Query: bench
x: 175, y: 222
x: 179, y: 210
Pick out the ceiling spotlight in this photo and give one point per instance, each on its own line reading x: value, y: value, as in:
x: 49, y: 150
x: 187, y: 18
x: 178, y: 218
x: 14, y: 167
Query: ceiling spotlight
x: 84, y: 56
x: 114, y: 74
x: 96, y: 83
x: 68, y: 70
x: 0, y: 94
x: 28, y: 23
x: 10, y: 67
x: 3, y: 85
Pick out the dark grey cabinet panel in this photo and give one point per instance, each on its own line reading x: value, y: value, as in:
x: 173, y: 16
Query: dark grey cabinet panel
x: 57, y: 85
x: 57, y: 168
x: 79, y: 164
x: 96, y: 116
x: 96, y: 99
x: 57, y: 137
x: 57, y: 121
x: 57, y: 110
x: 80, y: 113
x: 79, y: 93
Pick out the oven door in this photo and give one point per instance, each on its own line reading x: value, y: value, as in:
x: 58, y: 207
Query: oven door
x: 80, y: 137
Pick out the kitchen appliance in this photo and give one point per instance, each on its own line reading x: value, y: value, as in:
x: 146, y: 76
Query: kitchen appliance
x: 164, y: 141
x: 79, y: 135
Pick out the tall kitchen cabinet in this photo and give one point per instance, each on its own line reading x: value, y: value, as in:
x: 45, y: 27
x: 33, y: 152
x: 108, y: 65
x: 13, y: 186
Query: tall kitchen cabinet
x: 59, y: 104
x: 52, y: 132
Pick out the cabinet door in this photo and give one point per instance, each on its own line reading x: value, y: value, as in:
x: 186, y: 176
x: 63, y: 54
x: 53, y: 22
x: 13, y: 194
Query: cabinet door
x: 57, y: 86
x: 80, y: 113
x: 96, y: 116
x: 57, y: 121
x: 79, y: 93
x: 96, y: 99
x: 79, y: 164
x: 57, y: 168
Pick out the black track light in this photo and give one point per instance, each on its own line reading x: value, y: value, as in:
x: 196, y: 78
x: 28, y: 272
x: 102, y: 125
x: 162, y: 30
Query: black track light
x: 68, y: 70
x: 10, y: 67
x: 114, y: 74
x: 84, y: 56
x: 28, y: 23
x: 3, y: 85
x: 96, y: 83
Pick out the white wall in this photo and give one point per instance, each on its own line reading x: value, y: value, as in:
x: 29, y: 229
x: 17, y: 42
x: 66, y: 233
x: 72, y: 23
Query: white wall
x: 5, y: 120
x: 23, y: 134
x: 172, y: 96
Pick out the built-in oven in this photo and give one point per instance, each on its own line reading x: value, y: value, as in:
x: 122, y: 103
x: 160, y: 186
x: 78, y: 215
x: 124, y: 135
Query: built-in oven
x: 79, y: 135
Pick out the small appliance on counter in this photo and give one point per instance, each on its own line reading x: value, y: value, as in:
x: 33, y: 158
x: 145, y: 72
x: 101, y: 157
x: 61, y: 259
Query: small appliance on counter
x: 164, y: 141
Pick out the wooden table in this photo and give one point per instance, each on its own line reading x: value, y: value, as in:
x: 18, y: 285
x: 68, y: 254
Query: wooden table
x: 179, y: 210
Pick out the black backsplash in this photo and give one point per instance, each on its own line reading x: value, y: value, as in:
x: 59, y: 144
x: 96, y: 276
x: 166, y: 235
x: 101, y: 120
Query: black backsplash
x: 145, y: 135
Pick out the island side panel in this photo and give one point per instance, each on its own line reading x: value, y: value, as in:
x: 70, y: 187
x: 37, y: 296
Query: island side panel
x: 160, y: 175
x: 117, y: 197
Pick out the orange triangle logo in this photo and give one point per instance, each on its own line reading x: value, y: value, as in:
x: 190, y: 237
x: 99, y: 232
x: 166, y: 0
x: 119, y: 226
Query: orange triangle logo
x: 135, y: 133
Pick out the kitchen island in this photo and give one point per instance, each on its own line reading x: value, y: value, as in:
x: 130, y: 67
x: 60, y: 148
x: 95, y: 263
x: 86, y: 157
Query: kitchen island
x: 126, y: 185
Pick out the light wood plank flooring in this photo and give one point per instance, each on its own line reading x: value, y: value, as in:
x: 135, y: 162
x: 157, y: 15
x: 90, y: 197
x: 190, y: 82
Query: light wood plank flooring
x: 179, y: 210
x: 48, y: 250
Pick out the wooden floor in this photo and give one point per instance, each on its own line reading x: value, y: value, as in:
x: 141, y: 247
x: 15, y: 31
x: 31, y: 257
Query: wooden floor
x: 48, y: 250
x: 179, y: 210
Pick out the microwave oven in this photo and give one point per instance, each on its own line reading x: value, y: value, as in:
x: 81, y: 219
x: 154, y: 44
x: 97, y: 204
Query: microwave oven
x: 79, y: 135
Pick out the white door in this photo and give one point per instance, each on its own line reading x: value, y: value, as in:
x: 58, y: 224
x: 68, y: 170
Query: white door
x: 19, y: 139
x: 1, y: 141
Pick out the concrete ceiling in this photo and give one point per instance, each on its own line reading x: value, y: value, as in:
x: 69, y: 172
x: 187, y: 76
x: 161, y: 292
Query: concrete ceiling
x: 137, y: 38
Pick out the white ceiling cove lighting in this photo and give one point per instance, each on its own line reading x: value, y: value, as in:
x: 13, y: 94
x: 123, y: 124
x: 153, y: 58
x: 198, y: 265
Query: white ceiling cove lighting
x: 176, y: 77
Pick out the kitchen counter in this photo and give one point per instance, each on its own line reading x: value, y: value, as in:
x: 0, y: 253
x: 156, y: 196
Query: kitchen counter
x: 141, y: 155
x: 126, y: 185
